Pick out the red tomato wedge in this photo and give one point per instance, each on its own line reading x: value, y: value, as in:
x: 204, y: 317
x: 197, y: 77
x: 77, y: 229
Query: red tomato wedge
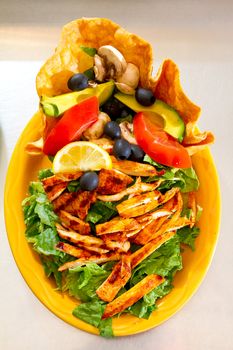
x: 71, y: 125
x: 160, y: 146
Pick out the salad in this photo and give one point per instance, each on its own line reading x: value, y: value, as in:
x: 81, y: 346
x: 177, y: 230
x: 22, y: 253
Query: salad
x: 112, y: 215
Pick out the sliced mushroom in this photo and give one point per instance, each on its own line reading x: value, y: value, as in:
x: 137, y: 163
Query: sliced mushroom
x: 113, y: 59
x: 126, y: 89
x: 96, y: 130
x: 99, y: 68
x: 130, y: 77
x: 127, y: 132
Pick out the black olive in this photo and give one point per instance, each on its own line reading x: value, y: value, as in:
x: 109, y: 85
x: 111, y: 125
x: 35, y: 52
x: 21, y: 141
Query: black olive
x: 78, y: 82
x: 113, y: 108
x: 112, y: 130
x: 137, y: 154
x: 122, y: 149
x: 145, y: 97
x: 89, y: 181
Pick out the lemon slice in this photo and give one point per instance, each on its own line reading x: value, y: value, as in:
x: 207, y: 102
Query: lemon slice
x: 81, y: 155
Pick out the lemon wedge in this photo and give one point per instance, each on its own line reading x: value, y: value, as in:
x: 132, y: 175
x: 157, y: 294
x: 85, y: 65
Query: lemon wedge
x: 81, y: 156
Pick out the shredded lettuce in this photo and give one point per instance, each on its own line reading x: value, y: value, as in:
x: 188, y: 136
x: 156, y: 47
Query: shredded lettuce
x: 83, y: 281
x: 90, y: 312
x: 185, y: 179
x: 43, y: 173
x: 40, y: 221
x: 101, y: 212
x: 165, y: 261
x: 187, y: 235
x: 73, y: 186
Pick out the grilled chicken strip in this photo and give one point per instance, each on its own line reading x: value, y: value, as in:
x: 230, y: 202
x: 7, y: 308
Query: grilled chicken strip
x: 97, y: 259
x: 139, y: 204
x: 137, y: 188
x: 112, y: 182
x: 111, y: 286
x: 133, y: 168
x: 74, y: 223
x: 130, y: 297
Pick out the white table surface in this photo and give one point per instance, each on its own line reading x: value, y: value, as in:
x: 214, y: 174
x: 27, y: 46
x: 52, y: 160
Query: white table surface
x: 198, y: 35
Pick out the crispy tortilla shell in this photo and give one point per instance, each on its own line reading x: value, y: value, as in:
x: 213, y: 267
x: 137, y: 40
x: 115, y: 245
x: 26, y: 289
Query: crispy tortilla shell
x: 69, y: 58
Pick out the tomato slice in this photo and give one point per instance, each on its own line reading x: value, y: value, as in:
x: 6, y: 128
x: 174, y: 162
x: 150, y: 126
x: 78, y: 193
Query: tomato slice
x: 71, y: 125
x: 160, y: 146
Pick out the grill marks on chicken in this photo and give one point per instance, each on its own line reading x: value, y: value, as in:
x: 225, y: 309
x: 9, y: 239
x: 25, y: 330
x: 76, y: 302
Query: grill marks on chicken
x: 112, y: 182
x: 146, y: 217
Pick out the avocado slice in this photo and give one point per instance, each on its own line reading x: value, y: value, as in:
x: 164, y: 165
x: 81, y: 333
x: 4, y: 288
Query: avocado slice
x: 172, y: 123
x: 55, y: 106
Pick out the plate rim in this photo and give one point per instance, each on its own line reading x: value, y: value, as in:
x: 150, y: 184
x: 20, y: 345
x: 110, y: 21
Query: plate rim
x: 78, y: 323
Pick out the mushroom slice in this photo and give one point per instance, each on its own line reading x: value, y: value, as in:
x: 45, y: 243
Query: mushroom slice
x: 96, y: 130
x: 114, y: 60
x: 125, y: 89
x: 130, y: 77
x: 99, y: 68
x: 127, y: 132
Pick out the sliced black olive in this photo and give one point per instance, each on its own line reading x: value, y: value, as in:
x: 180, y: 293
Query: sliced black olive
x: 145, y: 97
x: 78, y: 82
x: 112, y: 130
x: 122, y: 149
x: 89, y: 181
x: 137, y: 154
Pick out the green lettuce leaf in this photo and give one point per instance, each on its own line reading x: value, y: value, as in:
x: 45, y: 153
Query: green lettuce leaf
x: 90, y: 312
x: 185, y: 179
x: 165, y: 261
x: 101, y: 212
x: 105, y: 328
x: 144, y: 307
x: 43, y: 173
x: 73, y: 186
x: 40, y: 221
x: 187, y: 235
x: 45, y: 242
x: 51, y: 269
x: 83, y: 281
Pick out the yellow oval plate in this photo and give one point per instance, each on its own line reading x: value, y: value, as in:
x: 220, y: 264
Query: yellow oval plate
x: 24, y: 168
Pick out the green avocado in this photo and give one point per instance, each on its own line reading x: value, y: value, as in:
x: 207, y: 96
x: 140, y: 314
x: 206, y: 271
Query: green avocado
x: 55, y: 106
x: 172, y: 122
